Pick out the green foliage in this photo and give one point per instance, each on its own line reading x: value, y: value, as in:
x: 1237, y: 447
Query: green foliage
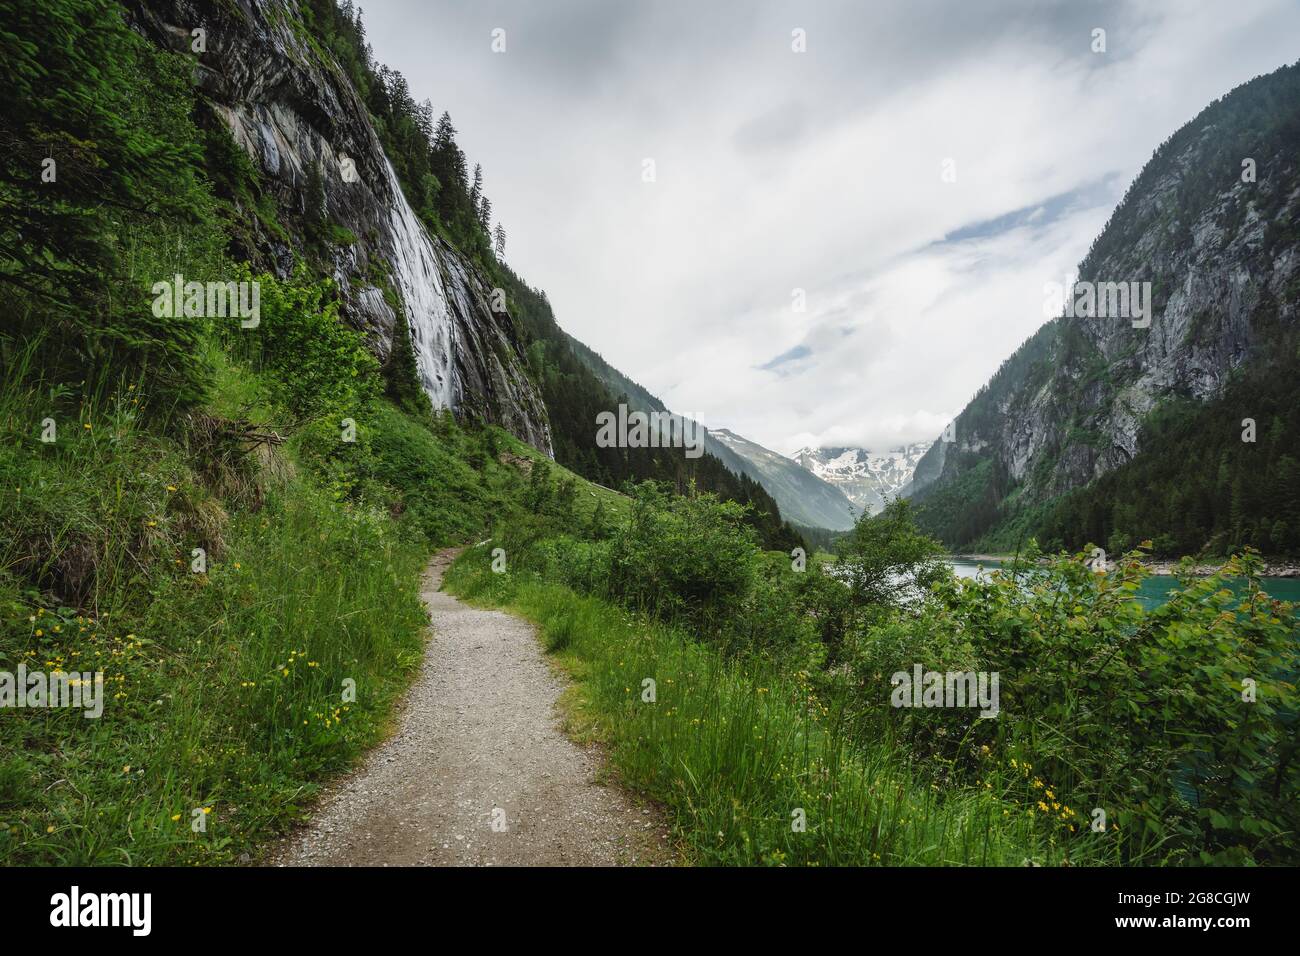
x: 959, y: 509
x: 312, y: 362
x: 690, y: 558
x: 74, y: 92
x: 401, y: 374
x: 400, y: 465
x: 76, y: 249
x: 1140, y: 713
x: 884, y: 560
x: 246, y: 208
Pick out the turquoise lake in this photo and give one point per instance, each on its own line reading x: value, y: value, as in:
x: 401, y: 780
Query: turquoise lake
x: 1155, y: 590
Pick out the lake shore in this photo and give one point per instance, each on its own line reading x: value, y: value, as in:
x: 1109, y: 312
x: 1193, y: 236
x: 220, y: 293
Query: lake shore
x: 1272, y: 569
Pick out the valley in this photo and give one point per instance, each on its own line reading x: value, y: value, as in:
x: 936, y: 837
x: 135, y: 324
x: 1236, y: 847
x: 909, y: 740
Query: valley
x: 373, y: 561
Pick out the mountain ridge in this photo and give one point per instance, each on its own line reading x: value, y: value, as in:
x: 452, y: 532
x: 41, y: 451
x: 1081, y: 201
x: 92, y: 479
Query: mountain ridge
x: 867, y: 479
x: 1211, y: 222
x: 803, y: 498
x: 811, y: 501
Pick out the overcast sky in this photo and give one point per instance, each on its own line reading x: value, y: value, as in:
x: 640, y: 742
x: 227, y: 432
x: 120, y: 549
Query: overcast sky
x: 820, y: 171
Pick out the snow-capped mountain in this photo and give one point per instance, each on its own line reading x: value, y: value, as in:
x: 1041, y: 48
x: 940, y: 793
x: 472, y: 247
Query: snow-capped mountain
x: 802, y: 497
x: 866, y: 478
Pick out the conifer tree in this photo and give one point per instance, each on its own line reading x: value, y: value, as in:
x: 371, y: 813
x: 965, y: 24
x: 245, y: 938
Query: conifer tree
x: 476, y: 191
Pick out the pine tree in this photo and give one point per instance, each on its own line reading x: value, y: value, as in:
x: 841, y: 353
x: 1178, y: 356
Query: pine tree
x: 400, y: 94
x: 71, y: 68
x: 539, y: 487
x: 444, y: 134
x: 598, y: 524
x: 485, y: 214
x: 97, y: 146
x: 500, y: 238
x: 476, y: 191
x: 424, y: 119
x: 457, y: 161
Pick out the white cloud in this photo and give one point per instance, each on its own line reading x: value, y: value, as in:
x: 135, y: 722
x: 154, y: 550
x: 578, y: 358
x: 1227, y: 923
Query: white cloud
x: 817, y: 171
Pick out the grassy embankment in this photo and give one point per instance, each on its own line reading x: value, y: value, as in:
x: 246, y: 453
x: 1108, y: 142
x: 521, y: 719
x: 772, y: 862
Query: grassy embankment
x: 226, y: 682
x: 755, y: 702
x: 754, y: 765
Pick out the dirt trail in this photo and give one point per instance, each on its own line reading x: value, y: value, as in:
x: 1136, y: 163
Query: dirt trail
x: 478, y: 734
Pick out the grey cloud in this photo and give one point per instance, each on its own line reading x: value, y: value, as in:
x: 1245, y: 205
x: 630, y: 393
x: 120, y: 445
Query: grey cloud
x: 816, y: 171
x: 780, y: 127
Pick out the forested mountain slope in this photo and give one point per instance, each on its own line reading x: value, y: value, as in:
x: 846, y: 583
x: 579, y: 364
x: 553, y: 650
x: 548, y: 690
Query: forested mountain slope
x: 1157, y: 407
x: 803, y: 498
x: 321, y: 188
x: 351, y: 174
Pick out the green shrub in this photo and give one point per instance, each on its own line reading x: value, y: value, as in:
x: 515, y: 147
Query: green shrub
x: 313, y: 363
x: 691, y: 557
x: 1139, y: 713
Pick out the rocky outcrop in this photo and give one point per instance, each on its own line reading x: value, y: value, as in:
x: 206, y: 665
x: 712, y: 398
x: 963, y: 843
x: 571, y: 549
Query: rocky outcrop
x: 1221, y: 251
x: 290, y: 107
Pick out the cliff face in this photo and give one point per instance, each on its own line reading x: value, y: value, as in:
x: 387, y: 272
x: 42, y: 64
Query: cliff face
x: 310, y: 136
x: 1222, y: 254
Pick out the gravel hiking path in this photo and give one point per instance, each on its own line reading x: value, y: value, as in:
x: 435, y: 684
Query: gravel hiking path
x: 478, y: 734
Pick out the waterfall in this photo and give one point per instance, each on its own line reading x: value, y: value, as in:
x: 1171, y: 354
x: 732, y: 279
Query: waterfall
x: 419, y: 280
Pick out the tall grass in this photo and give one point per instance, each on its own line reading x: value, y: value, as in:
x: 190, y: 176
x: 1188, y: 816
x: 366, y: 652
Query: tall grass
x: 741, y: 753
x: 225, y: 690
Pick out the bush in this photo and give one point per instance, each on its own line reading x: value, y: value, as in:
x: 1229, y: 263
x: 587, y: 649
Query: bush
x: 690, y: 558
x: 314, y: 364
x: 1140, y: 713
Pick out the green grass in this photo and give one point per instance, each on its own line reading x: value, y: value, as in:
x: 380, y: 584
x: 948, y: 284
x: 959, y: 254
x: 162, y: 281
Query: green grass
x: 618, y: 506
x: 735, y: 750
x: 224, y: 690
